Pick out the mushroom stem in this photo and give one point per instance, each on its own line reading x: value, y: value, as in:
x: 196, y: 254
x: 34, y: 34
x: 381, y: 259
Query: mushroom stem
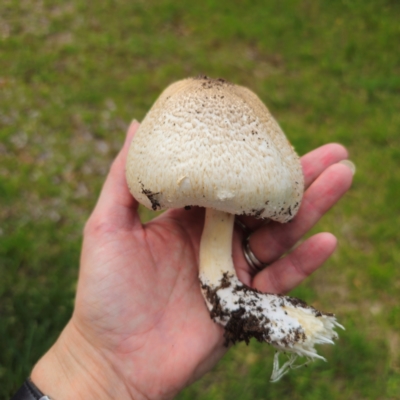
x: 287, y: 323
x: 216, y: 246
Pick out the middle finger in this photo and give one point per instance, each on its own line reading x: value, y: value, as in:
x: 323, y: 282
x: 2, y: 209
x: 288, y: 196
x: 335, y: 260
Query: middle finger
x: 270, y: 242
x: 313, y: 164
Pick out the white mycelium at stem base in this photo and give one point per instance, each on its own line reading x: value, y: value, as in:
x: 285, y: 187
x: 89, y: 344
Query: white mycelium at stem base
x: 286, y: 323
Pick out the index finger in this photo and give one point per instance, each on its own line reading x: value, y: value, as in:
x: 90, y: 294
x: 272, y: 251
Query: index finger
x: 313, y: 163
x: 116, y: 206
x: 318, y: 160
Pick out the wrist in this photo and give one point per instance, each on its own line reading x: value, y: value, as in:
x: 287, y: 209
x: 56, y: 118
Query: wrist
x: 74, y: 369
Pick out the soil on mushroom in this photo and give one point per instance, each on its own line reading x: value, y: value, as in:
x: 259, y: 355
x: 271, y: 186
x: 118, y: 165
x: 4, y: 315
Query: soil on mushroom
x: 210, y: 83
x: 155, y: 204
x: 242, y: 325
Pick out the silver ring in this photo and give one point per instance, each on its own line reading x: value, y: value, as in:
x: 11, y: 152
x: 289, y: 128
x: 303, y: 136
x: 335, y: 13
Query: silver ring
x: 255, y: 264
x: 243, y: 227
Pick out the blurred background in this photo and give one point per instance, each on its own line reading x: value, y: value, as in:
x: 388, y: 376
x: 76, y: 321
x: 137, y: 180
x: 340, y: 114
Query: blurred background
x: 73, y: 74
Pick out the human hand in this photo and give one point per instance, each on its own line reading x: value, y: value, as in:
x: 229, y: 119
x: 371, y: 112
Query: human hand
x: 140, y: 328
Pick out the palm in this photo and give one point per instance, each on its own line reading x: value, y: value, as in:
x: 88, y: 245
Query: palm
x: 138, y: 297
x: 151, y: 302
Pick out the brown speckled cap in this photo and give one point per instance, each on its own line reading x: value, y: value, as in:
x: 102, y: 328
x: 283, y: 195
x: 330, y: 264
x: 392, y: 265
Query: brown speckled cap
x: 207, y: 142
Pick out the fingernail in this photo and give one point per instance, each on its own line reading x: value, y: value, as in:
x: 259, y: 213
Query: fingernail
x: 349, y: 164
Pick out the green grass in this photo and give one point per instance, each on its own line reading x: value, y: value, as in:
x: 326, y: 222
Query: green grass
x: 72, y: 76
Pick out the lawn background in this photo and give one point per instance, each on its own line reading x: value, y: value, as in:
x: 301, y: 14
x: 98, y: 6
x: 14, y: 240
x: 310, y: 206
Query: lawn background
x: 72, y: 76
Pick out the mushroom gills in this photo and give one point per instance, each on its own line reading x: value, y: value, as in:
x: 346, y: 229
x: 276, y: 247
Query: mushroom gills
x: 286, y: 323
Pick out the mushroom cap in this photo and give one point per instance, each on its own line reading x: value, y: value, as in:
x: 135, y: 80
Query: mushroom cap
x: 207, y: 142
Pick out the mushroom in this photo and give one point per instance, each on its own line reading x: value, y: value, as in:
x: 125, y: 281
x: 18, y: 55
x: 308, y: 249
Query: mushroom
x: 209, y: 143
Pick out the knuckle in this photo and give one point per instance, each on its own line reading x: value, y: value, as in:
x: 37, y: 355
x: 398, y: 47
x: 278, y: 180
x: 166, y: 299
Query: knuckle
x: 298, y: 267
x: 97, y: 226
x: 276, y: 283
x: 115, y: 167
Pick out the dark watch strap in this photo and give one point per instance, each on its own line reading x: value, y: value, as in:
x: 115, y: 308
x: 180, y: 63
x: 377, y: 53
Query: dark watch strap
x: 28, y: 391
